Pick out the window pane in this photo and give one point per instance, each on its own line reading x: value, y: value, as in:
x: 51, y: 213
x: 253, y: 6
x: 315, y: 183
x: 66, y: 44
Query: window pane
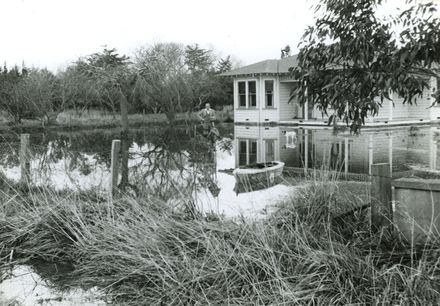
x: 270, y: 150
x: 242, y: 153
x: 241, y: 88
x: 242, y: 94
x: 252, y: 151
x: 242, y: 98
x: 268, y: 85
x: 253, y: 100
x: 269, y: 102
x: 252, y: 87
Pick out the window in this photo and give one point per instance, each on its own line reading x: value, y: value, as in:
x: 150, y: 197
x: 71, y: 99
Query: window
x: 269, y: 150
x: 242, y: 94
x: 247, y: 151
x: 252, y: 151
x: 268, y: 89
x: 252, y: 93
x: 242, y: 152
x: 247, y: 94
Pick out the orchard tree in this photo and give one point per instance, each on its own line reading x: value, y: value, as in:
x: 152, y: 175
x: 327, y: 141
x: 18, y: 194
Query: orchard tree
x: 166, y: 82
x: 223, y: 94
x: 11, y: 93
x: 351, y: 60
x: 113, y: 79
x: 39, y: 92
x: 77, y: 90
x: 200, y: 63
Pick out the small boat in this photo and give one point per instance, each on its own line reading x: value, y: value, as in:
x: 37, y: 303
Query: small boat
x: 257, y: 176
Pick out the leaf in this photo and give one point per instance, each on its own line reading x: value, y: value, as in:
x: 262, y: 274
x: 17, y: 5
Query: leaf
x: 330, y: 119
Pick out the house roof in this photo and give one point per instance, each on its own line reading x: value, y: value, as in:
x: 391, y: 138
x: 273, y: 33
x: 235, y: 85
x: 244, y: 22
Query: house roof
x: 271, y: 66
x: 275, y: 66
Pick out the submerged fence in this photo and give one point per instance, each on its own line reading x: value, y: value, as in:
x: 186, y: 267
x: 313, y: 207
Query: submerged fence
x: 311, y: 172
x: 410, y: 204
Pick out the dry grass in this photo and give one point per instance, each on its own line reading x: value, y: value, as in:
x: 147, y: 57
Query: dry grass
x: 141, y: 252
x: 97, y: 118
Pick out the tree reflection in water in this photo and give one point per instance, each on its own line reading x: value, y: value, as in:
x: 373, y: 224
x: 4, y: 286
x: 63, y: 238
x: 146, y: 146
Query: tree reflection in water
x: 170, y: 163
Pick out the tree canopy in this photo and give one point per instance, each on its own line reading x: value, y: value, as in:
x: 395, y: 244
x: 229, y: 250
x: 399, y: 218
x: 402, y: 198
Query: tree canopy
x: 166, y: 77
x: 351, y: 60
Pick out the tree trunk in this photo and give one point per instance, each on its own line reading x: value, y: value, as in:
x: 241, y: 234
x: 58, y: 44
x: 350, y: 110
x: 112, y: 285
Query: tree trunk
x: 125, y: 146
x: 17, y: 119
x: 171, y: 116
x: 124, y: 112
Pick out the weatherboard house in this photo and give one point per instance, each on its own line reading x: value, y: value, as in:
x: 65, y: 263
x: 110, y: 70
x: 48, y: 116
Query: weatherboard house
x: 262, y: 95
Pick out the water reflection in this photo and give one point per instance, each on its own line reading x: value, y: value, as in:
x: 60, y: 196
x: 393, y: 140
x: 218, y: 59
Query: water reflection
x: 170, y: 162
x: 404, y: 148
x: 28, y: 288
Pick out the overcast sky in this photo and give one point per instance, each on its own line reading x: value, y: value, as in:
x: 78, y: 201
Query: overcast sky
x: 53, y: 33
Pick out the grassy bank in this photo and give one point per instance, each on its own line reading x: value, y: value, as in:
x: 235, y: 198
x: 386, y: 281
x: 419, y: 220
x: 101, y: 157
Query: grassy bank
x: 139, y: 251
x: 101, y: 119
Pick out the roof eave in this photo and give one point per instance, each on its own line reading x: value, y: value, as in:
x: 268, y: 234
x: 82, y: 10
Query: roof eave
x: 255, y: 74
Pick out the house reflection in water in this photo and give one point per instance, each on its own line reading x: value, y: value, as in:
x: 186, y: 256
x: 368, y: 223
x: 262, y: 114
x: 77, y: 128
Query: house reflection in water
x: 303, y: 148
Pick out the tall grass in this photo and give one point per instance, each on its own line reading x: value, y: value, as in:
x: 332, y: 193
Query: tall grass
x: 141, y: 252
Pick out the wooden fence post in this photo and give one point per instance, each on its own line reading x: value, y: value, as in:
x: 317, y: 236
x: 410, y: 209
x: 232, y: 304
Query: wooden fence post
x: 381, y: 207
x: 114, y: 168
x: 25, y: 166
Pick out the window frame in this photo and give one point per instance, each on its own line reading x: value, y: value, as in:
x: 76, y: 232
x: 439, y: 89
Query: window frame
x: 273, y: 143
x: 240, y: 95
x: 248, y: 147
x: 252, y: 94
x: 247, y: 94
x: 251, y: 153
x: 240, y: 153
x: 266, y: 93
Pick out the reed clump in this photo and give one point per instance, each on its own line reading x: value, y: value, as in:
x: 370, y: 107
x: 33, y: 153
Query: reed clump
x: 139, y: 251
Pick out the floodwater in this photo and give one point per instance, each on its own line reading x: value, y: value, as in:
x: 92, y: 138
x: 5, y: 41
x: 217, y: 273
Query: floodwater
x: 404, y: 148
x: 25, y: 287
x: 177, y: 162
x: 170, y: 163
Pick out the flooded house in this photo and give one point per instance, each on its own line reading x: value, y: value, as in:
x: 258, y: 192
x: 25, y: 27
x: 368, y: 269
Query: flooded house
x: 262, y: 95
x: 404, y: 148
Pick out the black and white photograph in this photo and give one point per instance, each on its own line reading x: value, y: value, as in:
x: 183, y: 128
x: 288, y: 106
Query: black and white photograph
x: 219, y: 152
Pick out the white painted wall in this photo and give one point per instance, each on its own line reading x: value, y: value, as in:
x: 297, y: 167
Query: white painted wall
x: 435, y: 110
x: 288, y: 110
x: 246, y: 114
x: 285, y: 111
x: 269, y: 114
